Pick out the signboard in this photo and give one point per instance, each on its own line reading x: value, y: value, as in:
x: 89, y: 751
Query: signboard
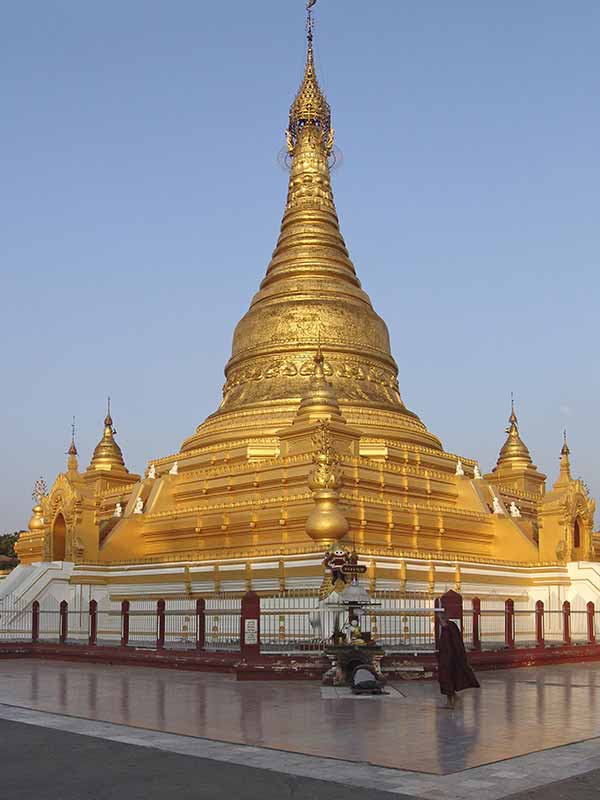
x: 354, y: 569
x: 251, y: 631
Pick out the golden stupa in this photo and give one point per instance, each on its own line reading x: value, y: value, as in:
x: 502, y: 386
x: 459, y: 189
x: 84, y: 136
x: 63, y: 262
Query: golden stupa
x: 312, y: 443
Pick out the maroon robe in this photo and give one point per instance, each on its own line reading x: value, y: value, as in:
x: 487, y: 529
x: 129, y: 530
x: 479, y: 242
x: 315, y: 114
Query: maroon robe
x: 454, y: 672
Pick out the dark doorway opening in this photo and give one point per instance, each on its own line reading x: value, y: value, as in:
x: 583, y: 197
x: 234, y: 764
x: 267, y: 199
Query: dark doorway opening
x: 59, y: 536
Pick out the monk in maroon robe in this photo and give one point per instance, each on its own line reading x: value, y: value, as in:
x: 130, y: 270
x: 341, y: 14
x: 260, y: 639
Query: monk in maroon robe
x: 454, y: 672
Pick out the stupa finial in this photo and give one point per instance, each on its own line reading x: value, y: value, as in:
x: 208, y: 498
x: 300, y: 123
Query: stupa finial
x: 564, y: 476
x: 72, y: 463
x: 513, y: 417
x: 310, y: 109
x: 72, y: 451
x: 107, y: 454
x: 514, y: 451
x: 309, y: 17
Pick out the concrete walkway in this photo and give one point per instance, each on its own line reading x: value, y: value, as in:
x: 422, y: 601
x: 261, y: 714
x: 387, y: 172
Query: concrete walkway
x: 526, y: 729
x: 37, y: 763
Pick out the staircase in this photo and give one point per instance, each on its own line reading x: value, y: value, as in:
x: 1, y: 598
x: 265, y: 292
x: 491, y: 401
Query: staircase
x: 29, y: 582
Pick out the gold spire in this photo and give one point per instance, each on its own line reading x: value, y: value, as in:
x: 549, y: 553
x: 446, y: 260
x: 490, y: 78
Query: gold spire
x: 108, y: 455
x: 564, y: 477
x: 514, y: 452
x: 72, y: 463
x: 310, y: 286
x: 310, y: 108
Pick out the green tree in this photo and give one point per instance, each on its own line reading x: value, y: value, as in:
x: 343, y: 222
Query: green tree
x: 7, y: 544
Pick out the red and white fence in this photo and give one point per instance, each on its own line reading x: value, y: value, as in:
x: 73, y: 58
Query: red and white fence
x: 288, y: 623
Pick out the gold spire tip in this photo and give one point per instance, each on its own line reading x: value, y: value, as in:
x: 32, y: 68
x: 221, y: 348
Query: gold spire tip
x: 310, y: 109
x: 72, y: 451
x: 513, y: 417
x: 309, y: 21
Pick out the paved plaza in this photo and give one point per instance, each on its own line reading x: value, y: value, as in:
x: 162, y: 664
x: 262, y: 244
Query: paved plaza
x: 527, y: 733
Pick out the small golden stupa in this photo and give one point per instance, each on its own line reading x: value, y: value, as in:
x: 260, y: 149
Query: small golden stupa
x: 312, y: 443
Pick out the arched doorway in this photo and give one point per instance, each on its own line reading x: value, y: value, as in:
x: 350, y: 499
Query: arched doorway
x: 578, y: 550
x: 577, y: 533
x: 59, y: 535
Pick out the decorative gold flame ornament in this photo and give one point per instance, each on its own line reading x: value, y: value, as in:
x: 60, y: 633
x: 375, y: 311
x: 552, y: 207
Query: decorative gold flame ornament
x: 40, y: 491
x: 325, y: 523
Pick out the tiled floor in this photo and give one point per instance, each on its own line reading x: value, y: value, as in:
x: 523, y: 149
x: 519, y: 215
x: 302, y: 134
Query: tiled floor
x: 515, y: 712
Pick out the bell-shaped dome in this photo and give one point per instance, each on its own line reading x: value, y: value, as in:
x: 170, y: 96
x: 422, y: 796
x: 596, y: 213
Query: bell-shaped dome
x: 107, y: 453
x: 514, y: 452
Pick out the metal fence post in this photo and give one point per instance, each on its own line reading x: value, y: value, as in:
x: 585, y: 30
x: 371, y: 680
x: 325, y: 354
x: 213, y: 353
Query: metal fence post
x: 160, y: 625
x: 539, y: 624
x: 93, y: 623
x: 200, y: 624
x: 452, y: 604
x: 250, y: 626
x: 476, y: 603
x: 124, y: 623
x: 63, y: 622
x: 591, y: 630
x: 509, y: 624
x: 35, y: 621
x: 566, y: 609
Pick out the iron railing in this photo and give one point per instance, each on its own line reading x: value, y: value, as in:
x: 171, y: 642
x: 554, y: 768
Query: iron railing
x: 294, y: 621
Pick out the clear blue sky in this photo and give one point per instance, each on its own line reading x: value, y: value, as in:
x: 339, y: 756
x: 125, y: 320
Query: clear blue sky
x: 141, y: 199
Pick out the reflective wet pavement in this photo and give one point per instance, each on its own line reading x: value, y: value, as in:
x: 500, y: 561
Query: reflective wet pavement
x: 515, y: 712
